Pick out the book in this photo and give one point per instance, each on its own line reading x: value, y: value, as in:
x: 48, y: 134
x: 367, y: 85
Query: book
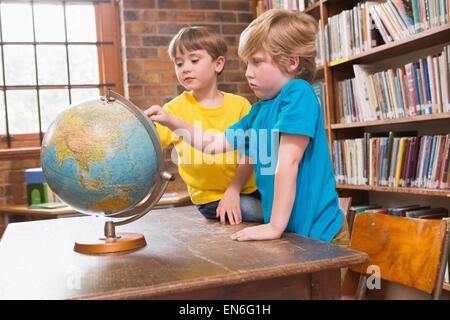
x: 405, y: 10
x: 47, y: 205
x: 411, y: 85
x: 37, y: 193
x: 417, y: 213
x: 401, y: 211
x: 34, y: 175
x: 426, y: 85
x: 444, y: 164
x: 378, y: 211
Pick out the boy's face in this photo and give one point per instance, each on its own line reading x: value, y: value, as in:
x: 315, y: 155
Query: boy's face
x: 264, y: 76
x: 196, y: 69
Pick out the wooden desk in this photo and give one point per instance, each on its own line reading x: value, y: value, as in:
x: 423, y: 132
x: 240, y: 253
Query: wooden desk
x: 186, y: 257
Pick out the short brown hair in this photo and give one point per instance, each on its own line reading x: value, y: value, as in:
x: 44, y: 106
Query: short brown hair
x: 197, y: 38
x: 283, y: 33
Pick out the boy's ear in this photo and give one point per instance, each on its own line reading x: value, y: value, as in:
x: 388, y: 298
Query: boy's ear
x: 220, y: 63
x: 294, y: 61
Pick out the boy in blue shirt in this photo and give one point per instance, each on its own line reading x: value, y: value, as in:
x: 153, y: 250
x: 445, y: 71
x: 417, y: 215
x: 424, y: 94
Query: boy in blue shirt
x: 283, y: 134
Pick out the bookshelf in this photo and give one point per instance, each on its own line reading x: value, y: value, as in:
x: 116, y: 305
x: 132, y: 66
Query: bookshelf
x: 409, y: 48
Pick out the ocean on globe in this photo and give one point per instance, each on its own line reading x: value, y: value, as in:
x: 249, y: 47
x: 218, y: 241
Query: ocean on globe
x: 99, y: 158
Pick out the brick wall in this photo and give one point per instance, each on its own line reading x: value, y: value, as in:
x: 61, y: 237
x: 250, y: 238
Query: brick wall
x: 147, y: 28
x: 13, y: 186
x: 149, y: 25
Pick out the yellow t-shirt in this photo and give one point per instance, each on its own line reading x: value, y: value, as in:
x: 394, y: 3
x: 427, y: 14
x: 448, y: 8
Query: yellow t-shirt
x: 207, y: 176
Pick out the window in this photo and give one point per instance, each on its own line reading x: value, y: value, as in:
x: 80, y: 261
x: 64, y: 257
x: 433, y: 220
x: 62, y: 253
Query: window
x: 53, y: 54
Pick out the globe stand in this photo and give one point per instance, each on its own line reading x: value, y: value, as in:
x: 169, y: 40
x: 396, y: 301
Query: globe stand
x: 113, y: 242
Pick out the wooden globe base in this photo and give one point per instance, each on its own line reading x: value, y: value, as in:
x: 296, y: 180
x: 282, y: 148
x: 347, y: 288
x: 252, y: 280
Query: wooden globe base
x: 122, y: 242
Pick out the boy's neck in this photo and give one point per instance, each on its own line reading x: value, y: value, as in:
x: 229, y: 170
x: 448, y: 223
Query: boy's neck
x: 209, y: 97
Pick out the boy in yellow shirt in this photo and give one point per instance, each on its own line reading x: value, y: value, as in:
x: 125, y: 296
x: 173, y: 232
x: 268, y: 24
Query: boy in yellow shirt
x: 222, y: 186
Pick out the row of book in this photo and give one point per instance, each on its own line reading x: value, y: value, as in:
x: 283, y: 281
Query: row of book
x: 370, y: 24
x: 378, y: 92
x: 397, y: 159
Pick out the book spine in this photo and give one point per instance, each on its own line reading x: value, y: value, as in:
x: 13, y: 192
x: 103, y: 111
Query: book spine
x: 405, y: 98
x: 405, y: 162
x: 419, y: 163
x: 426, y: 160
x: 399, y: 161
x: 412, y: 158
x: 426, y: 85
x: 421, y: 108
x: 444, y: 166
x: 416, y: 15
x: 431, y: 163
x: 411, y: 89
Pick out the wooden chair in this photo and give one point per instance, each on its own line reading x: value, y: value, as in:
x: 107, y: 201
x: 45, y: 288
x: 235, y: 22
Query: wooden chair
x: 410, y: 252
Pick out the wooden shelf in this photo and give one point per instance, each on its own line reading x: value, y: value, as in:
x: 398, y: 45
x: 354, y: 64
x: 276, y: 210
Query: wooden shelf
x: 426, y: 117
x: 423, y: 191
x: 421, y: 40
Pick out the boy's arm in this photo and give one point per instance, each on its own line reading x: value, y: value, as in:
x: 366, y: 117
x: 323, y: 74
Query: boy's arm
x: 199, y: 139
x: 230, y: 202
x: 292, y: 148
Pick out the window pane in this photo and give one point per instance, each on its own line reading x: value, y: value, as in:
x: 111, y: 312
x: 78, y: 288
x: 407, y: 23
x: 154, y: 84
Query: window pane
x: 22, y: 111
x: 80, y: 95
x: 19, y: 65
x: 80, y: 21
x: 83, y: 62
x: 2, y: 114
x: 52, y: 64
x: 53, y: 102
x: 17, y: 24
x: 49, y: 22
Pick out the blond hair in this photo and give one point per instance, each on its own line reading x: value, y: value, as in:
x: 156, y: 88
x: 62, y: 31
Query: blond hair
x: 197, y: 38
x: 283, y: 34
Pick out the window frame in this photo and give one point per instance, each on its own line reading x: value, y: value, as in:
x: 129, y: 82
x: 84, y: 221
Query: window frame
x: 21, y: 146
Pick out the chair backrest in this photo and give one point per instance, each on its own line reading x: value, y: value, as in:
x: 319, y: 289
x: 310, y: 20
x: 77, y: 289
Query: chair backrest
x: 411, y: 252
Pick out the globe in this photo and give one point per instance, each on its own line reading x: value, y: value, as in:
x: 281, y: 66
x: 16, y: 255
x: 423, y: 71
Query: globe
x: 101, y: 156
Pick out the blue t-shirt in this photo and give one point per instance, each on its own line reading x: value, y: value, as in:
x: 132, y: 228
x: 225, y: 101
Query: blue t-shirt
x: 295, y: 110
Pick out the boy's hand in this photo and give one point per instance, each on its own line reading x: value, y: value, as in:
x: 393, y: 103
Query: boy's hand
x: 158, y: 114
x: 259, y: 232
x: 230, y: 205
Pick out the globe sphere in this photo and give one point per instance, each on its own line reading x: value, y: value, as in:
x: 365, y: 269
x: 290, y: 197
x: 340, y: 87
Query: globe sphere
x: 99, y: 157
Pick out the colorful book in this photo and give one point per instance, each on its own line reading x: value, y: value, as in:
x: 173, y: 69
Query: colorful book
x: 48, y: 205
x: 400, y: 211
x: 417, y: 213
x: 405, y: 10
